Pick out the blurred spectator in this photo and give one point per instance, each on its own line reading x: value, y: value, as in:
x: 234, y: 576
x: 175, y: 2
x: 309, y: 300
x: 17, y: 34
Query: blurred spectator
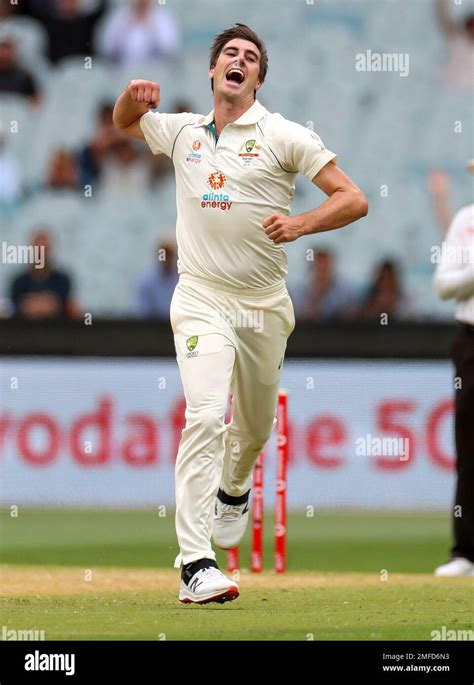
x: 13, y: 78
x: 42, y: 292
x: 385, y: 295
x: 139, y: 33
x: 324, y: 296
x: 63, y: 171
x: 156, y: 288
x: 69, y: 27
x: 458, y: 69
x: 111, y: 158
x: 6, y: 9
x: 10, y: 176
x: 180, y: 106
x: 125, y: 171
x: 103, y: 143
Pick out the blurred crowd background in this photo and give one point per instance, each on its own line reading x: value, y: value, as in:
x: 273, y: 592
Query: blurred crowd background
x: 103, y: 207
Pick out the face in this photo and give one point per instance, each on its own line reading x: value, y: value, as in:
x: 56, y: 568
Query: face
x: 125, y: 152
x: 323, y: 265
x: 5, y: 8
x: 42, y: 241
x: 470, y: 28
x: 7, y: 54
x: 387, y: 278
x: 106, y: 116
x: 236, y: 71
x: 141, y: 4
x: 68, y: 7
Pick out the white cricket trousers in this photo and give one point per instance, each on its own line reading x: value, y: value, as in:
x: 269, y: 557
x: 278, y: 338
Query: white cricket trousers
x: 227, y: 341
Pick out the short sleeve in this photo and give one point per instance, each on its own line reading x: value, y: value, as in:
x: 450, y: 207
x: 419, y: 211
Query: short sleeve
x: 299, y: 148
x: 161, y: 130
x: 454, y: 275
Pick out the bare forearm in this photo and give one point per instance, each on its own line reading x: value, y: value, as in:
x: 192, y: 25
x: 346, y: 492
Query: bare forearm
x: 444, y: 17
x: 342, y: 208
x: 443, y: 212
x: 346, y: 203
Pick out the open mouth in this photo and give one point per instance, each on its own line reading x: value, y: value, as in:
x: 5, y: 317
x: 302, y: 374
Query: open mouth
x: 235, y: 75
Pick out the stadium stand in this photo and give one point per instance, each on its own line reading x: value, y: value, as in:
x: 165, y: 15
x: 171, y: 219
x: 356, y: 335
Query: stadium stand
x: 387, y: 130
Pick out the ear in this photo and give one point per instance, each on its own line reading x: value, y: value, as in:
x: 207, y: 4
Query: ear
x: 258, y: 85
x: 211, y: 73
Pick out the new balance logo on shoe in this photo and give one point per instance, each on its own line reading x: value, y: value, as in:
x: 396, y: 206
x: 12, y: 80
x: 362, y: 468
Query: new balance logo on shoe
x: 194, y: 584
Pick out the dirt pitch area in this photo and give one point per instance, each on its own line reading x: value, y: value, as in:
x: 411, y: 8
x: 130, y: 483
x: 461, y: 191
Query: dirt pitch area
x: 60, y: 580
x: 102, y: 603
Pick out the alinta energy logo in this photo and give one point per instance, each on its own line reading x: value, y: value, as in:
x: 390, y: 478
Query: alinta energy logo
x: 216, y: 180
x: 214, y: 200
x: 195, y: 157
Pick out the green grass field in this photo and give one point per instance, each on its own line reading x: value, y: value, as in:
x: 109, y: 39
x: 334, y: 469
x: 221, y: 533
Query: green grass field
x: 334, y: 588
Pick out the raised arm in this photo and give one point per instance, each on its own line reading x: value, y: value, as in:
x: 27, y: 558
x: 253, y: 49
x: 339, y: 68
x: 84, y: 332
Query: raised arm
x: 445, y: 21
x: 438, y: 187
x: 137, y: 98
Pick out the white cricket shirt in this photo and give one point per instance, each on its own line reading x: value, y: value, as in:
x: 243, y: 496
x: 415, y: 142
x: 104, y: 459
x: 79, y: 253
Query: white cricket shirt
x: 225, y: 189
x: 454, y: 276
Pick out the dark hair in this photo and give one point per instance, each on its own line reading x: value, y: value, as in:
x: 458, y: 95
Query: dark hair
x: 239, y: 31
x: 105, y: 108
x: 322, y: 252
x: 386, y: 265
x: 468, y: 21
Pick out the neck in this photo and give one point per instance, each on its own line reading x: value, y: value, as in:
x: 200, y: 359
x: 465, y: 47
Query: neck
x: 225, y: 111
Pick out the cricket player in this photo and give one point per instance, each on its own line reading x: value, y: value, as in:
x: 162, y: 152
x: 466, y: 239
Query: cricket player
x: 231, y: 313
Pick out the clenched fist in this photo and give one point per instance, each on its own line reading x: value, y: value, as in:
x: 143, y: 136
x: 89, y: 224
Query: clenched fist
x: 145, y: 91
